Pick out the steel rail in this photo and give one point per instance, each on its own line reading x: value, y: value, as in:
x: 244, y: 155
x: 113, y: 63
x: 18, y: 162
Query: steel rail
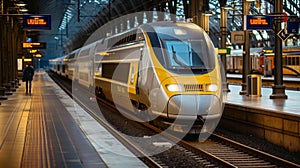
x: 256, y: 152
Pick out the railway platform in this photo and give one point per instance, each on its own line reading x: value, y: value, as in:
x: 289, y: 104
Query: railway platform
x: 41, y: 130
x: 275, y: 120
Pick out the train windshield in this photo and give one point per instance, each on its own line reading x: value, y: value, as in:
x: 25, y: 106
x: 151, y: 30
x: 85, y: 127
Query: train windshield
x: 181, y: 47
x: 193, y: 54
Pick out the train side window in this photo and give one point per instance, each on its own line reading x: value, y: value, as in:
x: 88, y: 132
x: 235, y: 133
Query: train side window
x: 294, y: 60
x: 63, y: 68
x: 129, y: 37
x: 113, y: 71
x: 84, y: 53
x: 289, y: 61
x: 72, y: 56
x: 284, y: 61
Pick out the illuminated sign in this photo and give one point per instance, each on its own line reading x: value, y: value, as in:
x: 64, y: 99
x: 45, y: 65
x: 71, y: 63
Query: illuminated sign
x: 224, y: 50
x: 259, y: 22
x: 34, y: 45
x: 20, y: 64
x: 33, y: 51
x: 37, y: 22
x: 38, y: 55
x: 27, y: 60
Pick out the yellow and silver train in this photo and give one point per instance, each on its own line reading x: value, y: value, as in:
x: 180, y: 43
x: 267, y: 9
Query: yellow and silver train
x: 166, y: 71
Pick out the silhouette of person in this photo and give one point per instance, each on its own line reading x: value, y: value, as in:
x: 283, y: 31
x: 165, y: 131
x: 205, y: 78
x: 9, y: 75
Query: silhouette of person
x: 28, y: 73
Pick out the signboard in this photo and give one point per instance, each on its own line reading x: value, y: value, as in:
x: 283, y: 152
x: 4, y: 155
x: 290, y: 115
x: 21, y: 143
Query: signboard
x: 283, y: 34
x: 34, y: 51
x: 37, y: 22
x: 285, y: 17
x: 27, y: 59
x: 259, y: 22
x: 224, y: 50
x: 293, y: 27
x: 38, y: 55
x: 237, y: 37
x: 36, y: 45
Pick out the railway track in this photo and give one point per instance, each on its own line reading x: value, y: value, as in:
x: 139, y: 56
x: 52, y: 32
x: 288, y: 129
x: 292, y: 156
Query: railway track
x: 239, y: 155
x: 217, y: 151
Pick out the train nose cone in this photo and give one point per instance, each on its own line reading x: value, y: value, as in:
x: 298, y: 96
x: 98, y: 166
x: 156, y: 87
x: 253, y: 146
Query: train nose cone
x: 191, y: 106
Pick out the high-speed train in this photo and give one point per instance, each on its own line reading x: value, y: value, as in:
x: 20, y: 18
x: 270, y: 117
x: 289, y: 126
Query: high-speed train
x: 167, y: 71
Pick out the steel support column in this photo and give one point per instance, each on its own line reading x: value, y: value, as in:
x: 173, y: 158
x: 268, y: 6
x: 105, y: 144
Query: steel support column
x: 15, y: 51
x: 223, y: 34
x: 5, y: 56
x: 9, y: 52
x: 278, y: 87
x: 246, y: 50
x: 196, y: 11
x: 1, y: 51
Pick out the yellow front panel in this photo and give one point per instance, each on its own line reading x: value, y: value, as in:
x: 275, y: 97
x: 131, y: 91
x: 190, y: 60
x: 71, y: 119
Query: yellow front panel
x: 132, y: 78
x: 166, y: 77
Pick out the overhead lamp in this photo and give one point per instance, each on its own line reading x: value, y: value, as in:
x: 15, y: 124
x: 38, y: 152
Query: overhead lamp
x: 207, y: 13
x: 227, y: 7
x: 20, y: 4
x: 23, y: 10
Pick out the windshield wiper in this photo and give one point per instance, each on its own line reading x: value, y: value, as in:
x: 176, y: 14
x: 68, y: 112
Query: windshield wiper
x: 176, y: 59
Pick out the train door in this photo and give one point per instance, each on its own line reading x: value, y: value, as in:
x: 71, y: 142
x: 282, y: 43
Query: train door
x: 136, y: 54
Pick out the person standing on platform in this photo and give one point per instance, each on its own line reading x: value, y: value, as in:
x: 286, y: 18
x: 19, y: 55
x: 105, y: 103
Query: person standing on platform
x: 28, y: 73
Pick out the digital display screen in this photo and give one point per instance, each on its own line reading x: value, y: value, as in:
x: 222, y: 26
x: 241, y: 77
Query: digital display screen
x: 37, y: 45
x: 259, y: 22
x: 37, y: 22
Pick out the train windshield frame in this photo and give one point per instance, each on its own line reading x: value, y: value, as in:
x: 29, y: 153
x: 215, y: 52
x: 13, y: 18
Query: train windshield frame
x: 191, y: 51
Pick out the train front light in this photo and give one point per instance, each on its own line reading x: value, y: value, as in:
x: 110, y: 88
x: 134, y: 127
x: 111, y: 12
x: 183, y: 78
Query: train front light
x: 174, y: 87
x: 211, y: 87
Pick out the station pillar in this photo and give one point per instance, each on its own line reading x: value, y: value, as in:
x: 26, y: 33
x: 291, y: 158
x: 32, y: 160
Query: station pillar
x: 1, y: 50
x: 278, y: 87
x: 196, y: 7
x: 246, y: 49
x: 223, y: 35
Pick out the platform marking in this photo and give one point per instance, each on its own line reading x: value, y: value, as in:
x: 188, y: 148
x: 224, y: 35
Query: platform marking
x: 106, y: 145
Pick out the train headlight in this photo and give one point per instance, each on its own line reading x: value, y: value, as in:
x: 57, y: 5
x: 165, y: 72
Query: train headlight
x: 174, y: 87
x: 211, y: 87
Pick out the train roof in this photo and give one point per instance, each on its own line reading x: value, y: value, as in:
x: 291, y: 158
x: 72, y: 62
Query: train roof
x: 58, y: 59
x: 130, y: 35
x: 176, y: 29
